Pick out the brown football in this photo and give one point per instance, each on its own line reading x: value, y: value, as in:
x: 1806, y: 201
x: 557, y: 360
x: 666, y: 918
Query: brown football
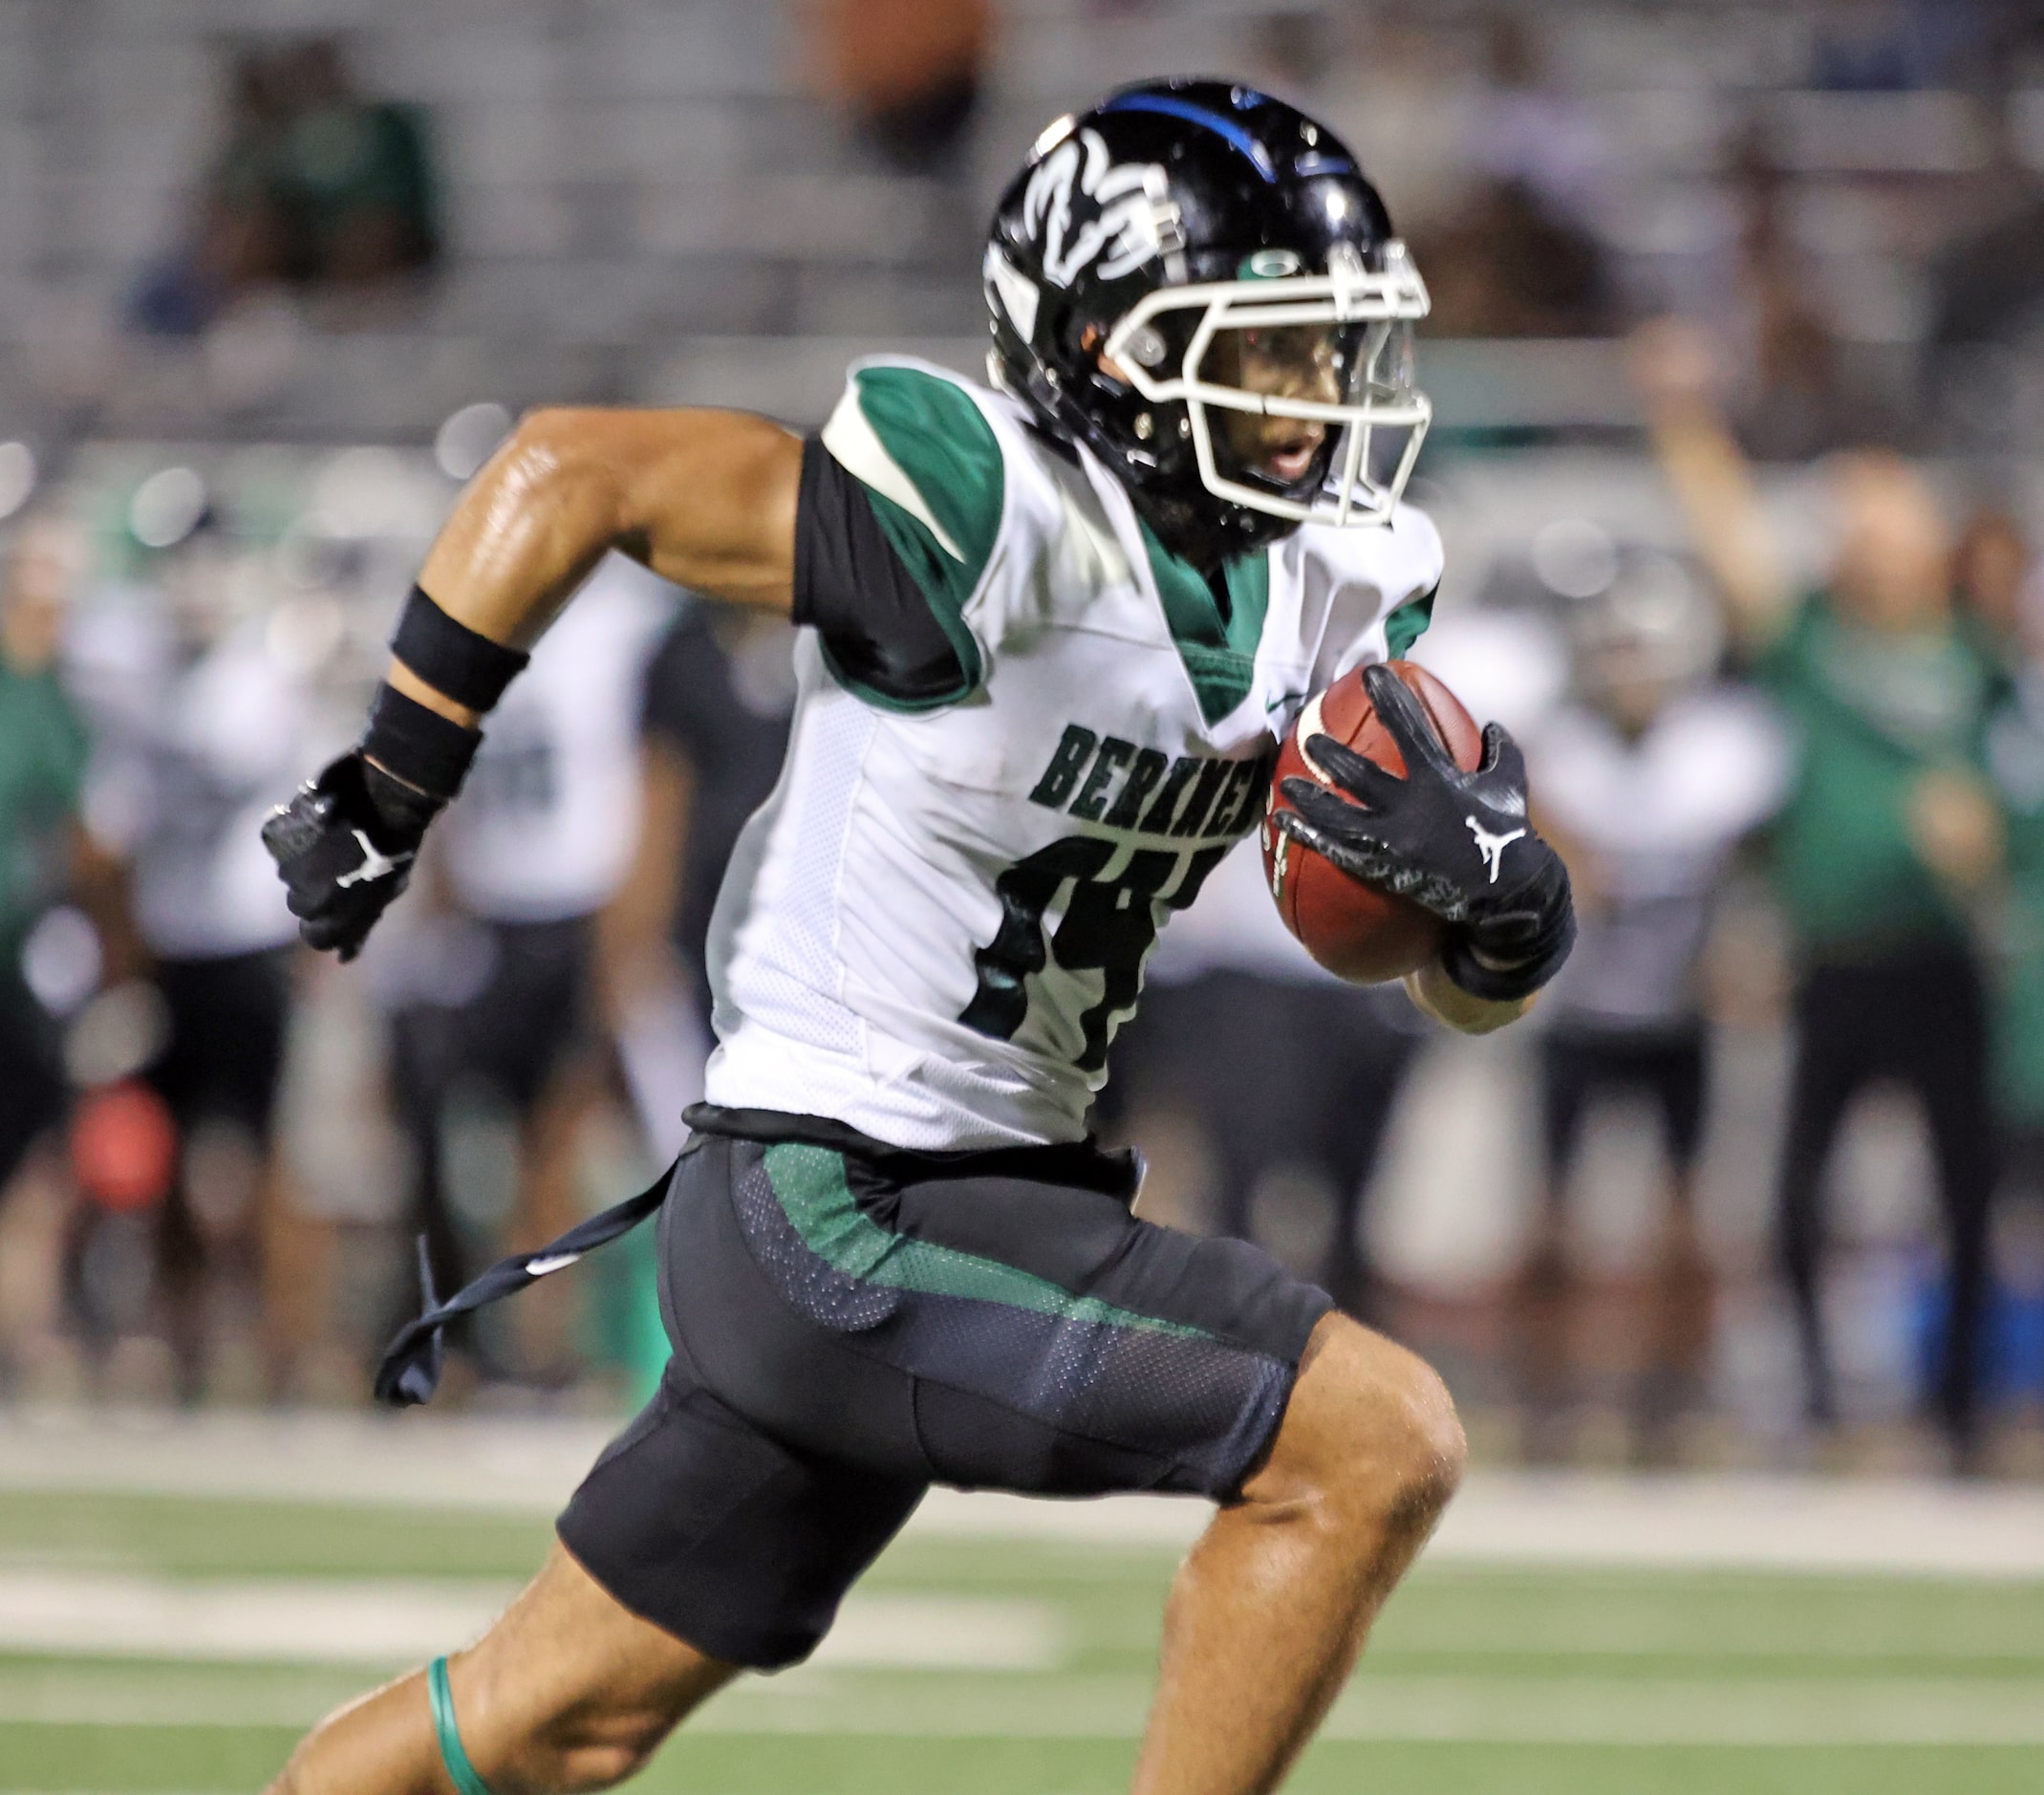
x: 1356, y: 931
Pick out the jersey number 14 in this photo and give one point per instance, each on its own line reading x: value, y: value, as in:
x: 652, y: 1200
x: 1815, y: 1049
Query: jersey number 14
x: 1108, y: 925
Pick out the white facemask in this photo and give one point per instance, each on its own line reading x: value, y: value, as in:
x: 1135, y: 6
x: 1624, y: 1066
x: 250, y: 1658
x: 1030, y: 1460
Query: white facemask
x: 1377, y: 397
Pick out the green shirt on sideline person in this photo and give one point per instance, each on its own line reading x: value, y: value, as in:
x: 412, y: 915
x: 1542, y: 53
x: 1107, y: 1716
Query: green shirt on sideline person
x: 43, y: 751
x: 1873, y: 710
x: 2015, y: 761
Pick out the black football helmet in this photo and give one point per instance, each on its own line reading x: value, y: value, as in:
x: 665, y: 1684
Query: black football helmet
x: 1223, y: 252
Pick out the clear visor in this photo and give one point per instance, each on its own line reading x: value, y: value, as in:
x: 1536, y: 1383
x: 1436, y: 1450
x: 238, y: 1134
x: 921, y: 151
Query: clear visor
x: 1299, y: 390
x: 1293, y: 396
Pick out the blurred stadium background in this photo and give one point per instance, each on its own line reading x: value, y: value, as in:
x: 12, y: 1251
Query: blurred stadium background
x: 275, y: 275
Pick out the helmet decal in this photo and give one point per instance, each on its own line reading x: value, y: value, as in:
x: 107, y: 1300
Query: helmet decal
x: 1270, y: 264
x: 1123, y: 233
x: 1019, y: 294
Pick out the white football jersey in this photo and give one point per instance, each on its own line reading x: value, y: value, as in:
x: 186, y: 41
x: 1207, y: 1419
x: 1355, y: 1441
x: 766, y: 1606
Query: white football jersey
x: 1024, y: 735
x: 1661, y: 815
x: 549, y: 812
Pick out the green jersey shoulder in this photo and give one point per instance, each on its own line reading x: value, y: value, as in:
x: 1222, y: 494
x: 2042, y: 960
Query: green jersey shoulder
x: 1004, y: 534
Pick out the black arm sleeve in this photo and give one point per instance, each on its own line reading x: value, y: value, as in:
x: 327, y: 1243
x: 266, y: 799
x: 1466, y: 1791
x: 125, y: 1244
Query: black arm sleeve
x: 880, y: 635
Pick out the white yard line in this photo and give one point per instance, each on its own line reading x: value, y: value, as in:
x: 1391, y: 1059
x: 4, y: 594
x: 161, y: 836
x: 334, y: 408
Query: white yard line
x: 942, y: 1632
x: 529, y: 1467
x: 247, y: 1621
x: 1746, y: 1522
x: 1561, y: 1711
x: 88, y: 1702
x: 519, y: 1467
x: 1446, y: 1709
x: 390, y: 1621
x: 1578, y: 1520
x: 1778, y: 1711
x: 396, y: 1621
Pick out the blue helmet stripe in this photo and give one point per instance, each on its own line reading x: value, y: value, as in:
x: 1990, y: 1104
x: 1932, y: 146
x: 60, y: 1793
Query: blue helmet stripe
x: 1184, y: 109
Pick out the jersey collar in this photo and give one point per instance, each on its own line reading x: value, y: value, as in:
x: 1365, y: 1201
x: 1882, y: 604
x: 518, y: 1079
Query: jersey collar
x: 1218, y: 655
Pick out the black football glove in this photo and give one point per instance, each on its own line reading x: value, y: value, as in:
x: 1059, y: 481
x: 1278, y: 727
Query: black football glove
x: 1457, y: 844
x: 344, y: 848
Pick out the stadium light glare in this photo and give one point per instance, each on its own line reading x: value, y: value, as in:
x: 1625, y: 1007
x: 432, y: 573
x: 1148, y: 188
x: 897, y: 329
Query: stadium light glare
x: 166, y: 508
x: 1575, y: 557
x: 17, y: 477
x: 468, y: 436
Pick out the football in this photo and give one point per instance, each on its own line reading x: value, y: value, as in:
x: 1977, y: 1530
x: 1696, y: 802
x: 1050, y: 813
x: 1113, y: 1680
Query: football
x: 1354, y: 930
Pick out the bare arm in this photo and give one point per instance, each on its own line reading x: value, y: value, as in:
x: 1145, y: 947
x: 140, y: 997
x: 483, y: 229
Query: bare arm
x: 1671, y: 366
x: 1435, y: 994
x: 703, y: 498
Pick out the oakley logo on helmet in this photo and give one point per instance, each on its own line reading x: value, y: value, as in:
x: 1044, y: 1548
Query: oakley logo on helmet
x: 1133, y: 220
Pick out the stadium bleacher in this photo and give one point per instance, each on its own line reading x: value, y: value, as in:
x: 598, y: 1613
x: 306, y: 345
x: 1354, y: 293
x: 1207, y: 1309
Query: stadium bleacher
x: 625, y: 181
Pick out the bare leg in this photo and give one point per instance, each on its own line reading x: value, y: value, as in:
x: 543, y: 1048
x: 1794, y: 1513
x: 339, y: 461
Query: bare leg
x: 295, y: 1252
x: 548, y: 1204
x: 567, y: 1691
x: 1272, y: 1606
x: 1678, y: 1330
x: 1542, y: 1315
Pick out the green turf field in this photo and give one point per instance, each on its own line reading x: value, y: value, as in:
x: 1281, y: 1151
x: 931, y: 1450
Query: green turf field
x: 1005, y: 1667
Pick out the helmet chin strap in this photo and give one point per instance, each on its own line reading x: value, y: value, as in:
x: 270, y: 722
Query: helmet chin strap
x: 1202, y: 534
x: 1206, y: 534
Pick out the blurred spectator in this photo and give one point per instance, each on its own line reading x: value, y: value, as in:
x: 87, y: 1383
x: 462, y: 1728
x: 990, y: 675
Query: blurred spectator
x: 240, y: 237
x: 2016, y: 760
x: 1294, y: 1113
x: 42, y: 773
x: 353, y: 176
x: 1989, y: 567
x: 198, y: 730
x: 1521, y: 256
x: 495, y: 1058
x: 313, y: 186
x: 714, y: 721
x: 908, y: 70
x: 1888, y: 834
x: 713, y: 732
x: 1647, y: 781
x: 1793, y: 399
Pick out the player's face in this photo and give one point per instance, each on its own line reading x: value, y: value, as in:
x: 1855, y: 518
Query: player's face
x: 1306, y: 361
x: 1894, y: 563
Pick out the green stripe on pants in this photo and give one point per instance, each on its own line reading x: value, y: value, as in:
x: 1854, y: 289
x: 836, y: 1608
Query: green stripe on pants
x: 810, y: 1184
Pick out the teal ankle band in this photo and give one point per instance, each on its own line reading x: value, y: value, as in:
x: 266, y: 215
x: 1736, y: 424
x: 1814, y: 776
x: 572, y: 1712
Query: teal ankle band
x: 451, y: 1753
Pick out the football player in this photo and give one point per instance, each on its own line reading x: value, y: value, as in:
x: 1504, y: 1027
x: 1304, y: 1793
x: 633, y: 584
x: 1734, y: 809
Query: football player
x: 1050, y: 630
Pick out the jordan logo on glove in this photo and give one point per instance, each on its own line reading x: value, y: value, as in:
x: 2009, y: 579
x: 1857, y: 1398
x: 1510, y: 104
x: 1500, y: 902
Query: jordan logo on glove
x: 1492, y: 846
x: 375, y: 865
